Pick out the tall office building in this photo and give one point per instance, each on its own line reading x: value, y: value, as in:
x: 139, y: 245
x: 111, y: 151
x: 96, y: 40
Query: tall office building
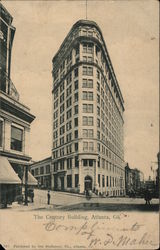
x: 87, y: 115
x: 15, y: 120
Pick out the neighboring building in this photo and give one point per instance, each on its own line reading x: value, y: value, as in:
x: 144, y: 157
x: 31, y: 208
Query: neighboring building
x: 87, y: 115
x: 128, y: 180
x: 158, y: 177
x: 134, y: 181
x: 41, y: 170
x: 150, y: 184
x: 15, y: 119
x: 138, y: 179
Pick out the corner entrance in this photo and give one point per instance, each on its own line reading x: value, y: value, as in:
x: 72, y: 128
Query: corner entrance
x: 88, y: 183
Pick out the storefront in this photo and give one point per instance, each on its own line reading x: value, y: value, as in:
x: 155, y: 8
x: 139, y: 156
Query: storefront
x: 10, y: 183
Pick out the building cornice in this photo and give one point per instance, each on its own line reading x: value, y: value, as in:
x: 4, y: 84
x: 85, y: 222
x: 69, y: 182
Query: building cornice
x: 15, y: 110
x: 107, y: 57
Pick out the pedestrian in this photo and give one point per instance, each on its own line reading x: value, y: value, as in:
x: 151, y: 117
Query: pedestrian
x: 147, y: 197
x: 32, y: 196
x: 48, y: 196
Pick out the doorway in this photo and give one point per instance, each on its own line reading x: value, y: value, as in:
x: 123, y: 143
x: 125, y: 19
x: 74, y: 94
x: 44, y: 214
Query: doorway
x: 62, y: 182
x: 88, y: 183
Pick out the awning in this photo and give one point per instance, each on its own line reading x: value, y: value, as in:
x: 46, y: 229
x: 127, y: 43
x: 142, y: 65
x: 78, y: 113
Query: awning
x: 31, y: 180
x: 7, y: 174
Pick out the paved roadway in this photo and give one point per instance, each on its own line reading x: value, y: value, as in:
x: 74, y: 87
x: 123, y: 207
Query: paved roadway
x: 67, y: 201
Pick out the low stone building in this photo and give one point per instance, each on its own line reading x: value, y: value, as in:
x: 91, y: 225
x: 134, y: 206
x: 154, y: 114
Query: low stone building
x: 41, y: 170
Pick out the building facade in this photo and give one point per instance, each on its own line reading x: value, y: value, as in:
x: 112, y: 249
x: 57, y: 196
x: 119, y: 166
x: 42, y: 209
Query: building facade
x: 41, y: 170
x: 15, y: 119
x: 138, y: 180
x: 128, y: 180
x: 87, y: 115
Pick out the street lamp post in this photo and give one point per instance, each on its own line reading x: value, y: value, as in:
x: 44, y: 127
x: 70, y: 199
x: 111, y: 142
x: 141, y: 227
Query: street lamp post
x: 26, y: 186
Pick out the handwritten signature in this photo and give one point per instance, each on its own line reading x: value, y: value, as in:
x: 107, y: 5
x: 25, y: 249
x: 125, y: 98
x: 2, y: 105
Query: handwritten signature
x: 95, y: 239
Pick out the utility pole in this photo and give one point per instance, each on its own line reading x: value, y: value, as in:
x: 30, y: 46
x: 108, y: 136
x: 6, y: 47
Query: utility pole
x: 86, y: 9
x: 26, y: 186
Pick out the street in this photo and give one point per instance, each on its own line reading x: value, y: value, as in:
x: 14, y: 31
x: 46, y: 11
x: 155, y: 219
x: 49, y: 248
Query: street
x: 70, y: 201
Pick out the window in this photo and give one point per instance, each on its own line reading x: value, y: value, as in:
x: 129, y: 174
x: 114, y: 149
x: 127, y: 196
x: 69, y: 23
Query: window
x: 103, y: 181
x: 69, y: 91
x: 16, y: 138
x: 98, y: 98
x: 98, y: 147
x: 69, y: 125
x: 91, y: 146
x: 85, y: 146
x: 76, y: 72
x: 62, y: 98
x: 76, y: 180
x: 62, y: 87
x: 55, y: 114
x: 62, y: 140
x: 87, y: 108
x: 69, y: 79
x: 76, y: 109
x: 56, y: 94
x: 85, y: 163
x: 98, y: 86
x: 77, y: 49
x: 69, y: 149
x: 62, y: 130
x: 55, y: 124
x: 98, y: 110
x: 99, y: 180
x: 76, y: 85
x: 1, y: 133
x: 69, y: 163
x: 69, y: 113
x: 91, y: 163
x: 61, y: 119
x: 69, y: 102
x: 36, y: 171
x: 76, y: 146
x: 90, y: 71
x: 98, y: 123
x: 76, y: 134
x: 107, y: 181
x: 87, y: 83
x: 103, y: 163
x: 41, y: 170
x: 98, y: 74
x: 98, y: 135
x: 76, y: 161
x: 69, y: 181
x: 87, y: 121
x: 88, y: 133
x: 87, y: 47
x: 62, y: 108
x: 55, y: 104
x: 69, y: 137
x: 76, y: 97
x: 87, y: 59
x: 90, y: 59
x: 84, y: 58
x: 87, y: 71
x: 55, y: 134
x: 47, y: 169
x: 90, y: 33
x: 87, y: 95
x: 85, y: 133
x: 76, y: 121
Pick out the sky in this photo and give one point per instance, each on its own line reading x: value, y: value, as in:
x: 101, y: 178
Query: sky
x: 131, y: 32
